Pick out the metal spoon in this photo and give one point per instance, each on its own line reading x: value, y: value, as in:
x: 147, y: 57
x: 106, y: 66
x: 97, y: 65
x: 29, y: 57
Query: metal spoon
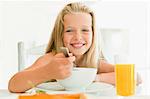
x: 66, y: 53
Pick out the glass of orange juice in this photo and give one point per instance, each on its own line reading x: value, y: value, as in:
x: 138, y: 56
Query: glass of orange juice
x: 125, y: 78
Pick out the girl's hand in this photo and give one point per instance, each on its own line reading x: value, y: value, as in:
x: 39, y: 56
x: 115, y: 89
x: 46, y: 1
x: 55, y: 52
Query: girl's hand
x: 56, y: 66
x: 61, y: 66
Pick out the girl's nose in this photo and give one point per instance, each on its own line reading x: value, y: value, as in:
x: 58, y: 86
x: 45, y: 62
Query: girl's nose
x: 78, y: 35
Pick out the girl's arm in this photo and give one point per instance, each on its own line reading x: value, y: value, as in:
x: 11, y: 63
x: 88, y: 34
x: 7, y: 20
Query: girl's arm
x: 106, y: 73
x: 105, y: 67
x: 106, y: 78
x: 21, y: 81
x: 35, y: 74
x: 44, y: 69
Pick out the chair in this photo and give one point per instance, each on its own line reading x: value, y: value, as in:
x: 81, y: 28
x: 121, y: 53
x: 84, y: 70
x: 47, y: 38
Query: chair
x: 26, y: 56
x: 114, y: 42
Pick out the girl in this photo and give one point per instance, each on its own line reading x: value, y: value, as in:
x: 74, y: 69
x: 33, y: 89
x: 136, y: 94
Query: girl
x: 75, y: 29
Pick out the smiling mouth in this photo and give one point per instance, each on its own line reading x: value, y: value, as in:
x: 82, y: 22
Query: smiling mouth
x: 78, y: 45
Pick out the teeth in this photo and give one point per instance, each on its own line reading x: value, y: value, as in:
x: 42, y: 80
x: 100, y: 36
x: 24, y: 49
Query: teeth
x: 77, y: 45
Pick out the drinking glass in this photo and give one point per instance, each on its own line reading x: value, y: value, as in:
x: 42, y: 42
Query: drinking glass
x: 125, y: 76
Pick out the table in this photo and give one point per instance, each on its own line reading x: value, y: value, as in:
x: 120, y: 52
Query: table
x: 5, y: 94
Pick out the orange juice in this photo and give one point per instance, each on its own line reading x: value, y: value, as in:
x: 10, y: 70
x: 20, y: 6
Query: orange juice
x: 125, y: 82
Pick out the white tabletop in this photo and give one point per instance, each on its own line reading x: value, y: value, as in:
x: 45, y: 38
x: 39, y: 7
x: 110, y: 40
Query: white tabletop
x: 5, y: 94
x: 104, y: 91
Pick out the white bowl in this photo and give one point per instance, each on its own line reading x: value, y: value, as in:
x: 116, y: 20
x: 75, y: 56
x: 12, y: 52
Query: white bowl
x: 79, y: 79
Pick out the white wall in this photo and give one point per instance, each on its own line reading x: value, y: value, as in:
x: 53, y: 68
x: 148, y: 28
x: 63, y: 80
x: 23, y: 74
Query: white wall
x: 33, y: 21
x: 23, y: 21
x: 130, y: 16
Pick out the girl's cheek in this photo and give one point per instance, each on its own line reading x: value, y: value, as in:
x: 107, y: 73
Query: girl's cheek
x: 66, y: 41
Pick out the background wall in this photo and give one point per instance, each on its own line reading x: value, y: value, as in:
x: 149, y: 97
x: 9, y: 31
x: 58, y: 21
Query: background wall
x: 26, y: 21
x: 32, y: 22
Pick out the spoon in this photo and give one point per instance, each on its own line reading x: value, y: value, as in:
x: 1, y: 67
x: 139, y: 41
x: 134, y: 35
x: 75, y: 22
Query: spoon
x: 65, y: 51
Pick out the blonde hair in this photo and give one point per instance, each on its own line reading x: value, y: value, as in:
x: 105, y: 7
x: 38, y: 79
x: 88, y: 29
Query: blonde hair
x: 90, y: 57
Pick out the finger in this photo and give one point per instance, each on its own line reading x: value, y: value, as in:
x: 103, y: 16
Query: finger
x: 70, y: 54
x: 66, y: 75
x: 71, y: 58
x: 60, y: 55
x: 69, y: 67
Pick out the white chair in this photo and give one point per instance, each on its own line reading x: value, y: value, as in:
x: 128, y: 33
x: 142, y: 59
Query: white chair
x: 114, y: 42
x: 26, y: 56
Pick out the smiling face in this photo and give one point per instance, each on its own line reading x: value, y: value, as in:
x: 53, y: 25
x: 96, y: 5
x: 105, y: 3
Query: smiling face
x: 77, y: 33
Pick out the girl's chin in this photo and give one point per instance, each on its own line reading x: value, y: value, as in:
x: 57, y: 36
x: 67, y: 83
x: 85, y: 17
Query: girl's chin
x: 78, y: 53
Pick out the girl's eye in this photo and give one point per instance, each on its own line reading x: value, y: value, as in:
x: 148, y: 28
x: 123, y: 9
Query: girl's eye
x: 85, y: 30
x: 69, y: 30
